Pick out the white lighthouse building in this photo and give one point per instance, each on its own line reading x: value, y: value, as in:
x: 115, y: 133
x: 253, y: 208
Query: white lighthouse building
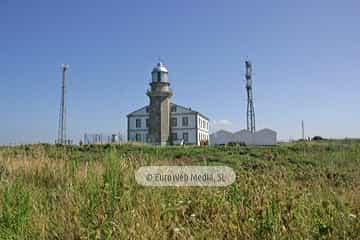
x: 163, y: 122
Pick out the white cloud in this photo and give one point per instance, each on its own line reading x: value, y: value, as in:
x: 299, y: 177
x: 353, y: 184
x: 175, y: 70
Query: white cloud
x: 225, y: 122
x: 221, y: 124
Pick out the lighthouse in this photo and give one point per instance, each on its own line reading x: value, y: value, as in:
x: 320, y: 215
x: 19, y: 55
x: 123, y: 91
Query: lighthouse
x: 162, y: 122
x: 159, y: 108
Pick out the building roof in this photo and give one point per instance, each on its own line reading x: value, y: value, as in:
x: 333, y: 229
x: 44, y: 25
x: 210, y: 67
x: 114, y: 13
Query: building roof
x: 142, y: 111
x: 243, y: 131
x: 222, y: 132
x: 134, y: 113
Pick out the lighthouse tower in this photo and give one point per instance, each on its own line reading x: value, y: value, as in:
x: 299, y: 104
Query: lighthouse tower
x: 159, y: 107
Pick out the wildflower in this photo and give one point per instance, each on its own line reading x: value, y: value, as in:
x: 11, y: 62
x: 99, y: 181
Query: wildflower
x: 176, y: 230
x: 192, y: 215
x: 352, y: 215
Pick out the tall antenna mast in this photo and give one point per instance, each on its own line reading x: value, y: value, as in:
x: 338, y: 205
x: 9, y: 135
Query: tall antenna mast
x: 250, y: 113
x: 302, y: 130
x: 62, y: 138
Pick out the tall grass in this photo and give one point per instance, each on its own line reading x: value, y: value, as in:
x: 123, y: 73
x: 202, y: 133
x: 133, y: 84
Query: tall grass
x: 14, y: 211
x: 290, y: 191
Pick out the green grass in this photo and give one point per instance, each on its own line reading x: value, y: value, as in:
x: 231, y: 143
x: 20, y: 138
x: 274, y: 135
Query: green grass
x: 290, y: 191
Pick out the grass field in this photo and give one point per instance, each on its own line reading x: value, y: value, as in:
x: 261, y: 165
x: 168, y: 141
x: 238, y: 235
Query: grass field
x: 290, y: 191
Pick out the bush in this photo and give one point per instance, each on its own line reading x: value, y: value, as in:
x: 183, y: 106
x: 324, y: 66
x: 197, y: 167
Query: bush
x: 317, y: 138
x: 236, y: 144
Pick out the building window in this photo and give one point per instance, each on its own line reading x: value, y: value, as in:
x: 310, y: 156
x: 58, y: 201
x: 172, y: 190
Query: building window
x: 146, y: 138
x: 138, y: 137
x: 174, y: 136
x: 174, y: 122
x: 185, y: 121
x: 159, y: 76
x: 199, y: 123
x: 147, y: 109
x: 173, y: 108
x: 204, y: 123
x: 186, y: 137
x: 147, y: 123
x: 138, y: 123
x: 207, y: 125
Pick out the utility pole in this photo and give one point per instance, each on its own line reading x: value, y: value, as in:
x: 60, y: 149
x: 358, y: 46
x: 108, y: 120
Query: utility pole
x: 62, y: 137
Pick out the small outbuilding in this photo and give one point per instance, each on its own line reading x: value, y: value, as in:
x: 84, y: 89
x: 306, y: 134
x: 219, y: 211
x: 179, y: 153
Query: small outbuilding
x: 221, y: 137
x: 262, y: 137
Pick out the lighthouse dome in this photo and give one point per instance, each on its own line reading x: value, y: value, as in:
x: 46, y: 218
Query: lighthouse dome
x: 160, y: 73
x: 160, y: 67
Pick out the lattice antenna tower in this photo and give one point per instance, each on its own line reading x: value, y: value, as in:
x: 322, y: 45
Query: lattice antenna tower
x: 250, y: 112
x: 62, y: 137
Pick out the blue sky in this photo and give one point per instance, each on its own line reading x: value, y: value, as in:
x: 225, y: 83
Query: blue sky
x: 305, y: 56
